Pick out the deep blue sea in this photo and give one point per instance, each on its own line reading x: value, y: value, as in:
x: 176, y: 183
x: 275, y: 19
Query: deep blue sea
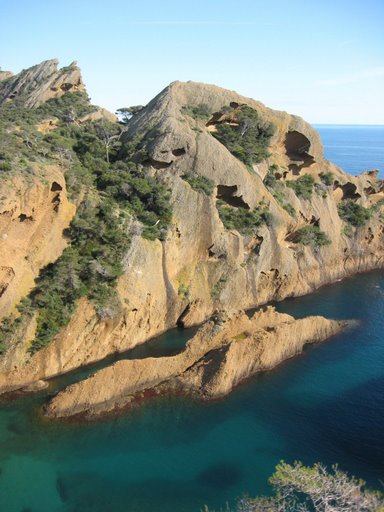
x: 177, y: 454
x: 355, y: 148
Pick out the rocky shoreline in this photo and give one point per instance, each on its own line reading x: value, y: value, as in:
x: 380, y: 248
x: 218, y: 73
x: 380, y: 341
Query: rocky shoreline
x: 226, y: 350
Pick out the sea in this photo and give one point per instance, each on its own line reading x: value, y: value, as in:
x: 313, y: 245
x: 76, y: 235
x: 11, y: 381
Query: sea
x: 178, y: 454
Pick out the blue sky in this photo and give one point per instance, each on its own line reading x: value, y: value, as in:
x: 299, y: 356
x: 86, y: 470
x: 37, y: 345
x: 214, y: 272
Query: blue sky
x: 321, y: 59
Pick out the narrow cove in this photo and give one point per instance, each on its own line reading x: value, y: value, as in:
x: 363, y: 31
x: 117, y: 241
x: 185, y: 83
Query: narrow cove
x: 325, y: 405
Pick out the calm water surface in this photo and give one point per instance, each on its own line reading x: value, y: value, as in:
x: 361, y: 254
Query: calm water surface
x: 175, y: 455
x: 355, y: 148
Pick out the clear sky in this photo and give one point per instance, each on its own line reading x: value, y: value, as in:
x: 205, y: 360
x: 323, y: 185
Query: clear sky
x: 321, y: 59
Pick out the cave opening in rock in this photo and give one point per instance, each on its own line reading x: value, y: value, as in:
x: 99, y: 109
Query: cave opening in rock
x: 55, y: 187
x: 349, y: 191
x: 297, y: 148
x: 227, y: 193
x: 178, y: 152
x: 23, y: 217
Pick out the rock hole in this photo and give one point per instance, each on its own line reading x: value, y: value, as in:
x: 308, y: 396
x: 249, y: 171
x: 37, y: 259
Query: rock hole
x: 55, y: 187
x: 297, y: 148
x: 156, y: 163
x: 211, y: 252
x: 349, y: 191
x: 227, y: 194
x: 370, y: 190
x: 22, y: 217
x: 66, y: 86
x: 315, y: 222
x: 178, y: 152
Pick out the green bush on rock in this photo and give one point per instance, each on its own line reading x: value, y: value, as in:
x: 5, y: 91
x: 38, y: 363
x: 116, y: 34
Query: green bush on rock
x: 303, y: 186
x: 113, y: 190
x: 310, y: 235
x: 353, y: 213
x: 199, y: 183
x: 246, y: 137
x: 244, y: 220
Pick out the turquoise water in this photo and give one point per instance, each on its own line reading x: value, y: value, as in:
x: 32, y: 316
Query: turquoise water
x: 176, y: 454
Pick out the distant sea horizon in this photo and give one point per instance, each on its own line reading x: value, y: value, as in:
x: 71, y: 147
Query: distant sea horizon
x: 353, y: 147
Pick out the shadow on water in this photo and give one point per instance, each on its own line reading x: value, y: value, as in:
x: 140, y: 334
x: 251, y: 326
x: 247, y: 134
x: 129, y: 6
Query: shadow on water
x: 168, y: 344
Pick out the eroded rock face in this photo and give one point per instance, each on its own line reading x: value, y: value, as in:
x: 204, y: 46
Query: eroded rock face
x: 33, y: 216
x: 219, y: 268
x: 225, y: 351
x: 40, y: 83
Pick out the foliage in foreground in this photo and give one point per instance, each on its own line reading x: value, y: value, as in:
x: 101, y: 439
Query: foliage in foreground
x: 298, y: 488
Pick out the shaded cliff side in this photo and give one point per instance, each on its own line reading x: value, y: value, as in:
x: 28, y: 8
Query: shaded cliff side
x: 250, y: 224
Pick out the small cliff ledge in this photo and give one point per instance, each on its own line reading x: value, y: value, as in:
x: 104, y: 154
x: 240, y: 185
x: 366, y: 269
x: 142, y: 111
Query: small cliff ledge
x: 227, y: 349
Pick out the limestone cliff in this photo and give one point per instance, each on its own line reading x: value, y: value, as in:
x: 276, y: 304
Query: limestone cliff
x: 225, y: 351
x: 200, y: 265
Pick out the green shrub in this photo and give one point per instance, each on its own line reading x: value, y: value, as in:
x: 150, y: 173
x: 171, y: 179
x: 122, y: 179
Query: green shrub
x: 280, y: 198
x: 327, y: 178
x: 199, y: 183
x: 218, y: 288
x: 184, y: 291
x: 242, y: 219
x: 270, y: 180
x: 289, y: 208
x: 353, y: 213
x: 248, y: 140
x: 310, y: 235
x: 5, y: 166
x: 198, y: 112
x: 303, y: 186
x: 98, y: 238
x: 312, y: 488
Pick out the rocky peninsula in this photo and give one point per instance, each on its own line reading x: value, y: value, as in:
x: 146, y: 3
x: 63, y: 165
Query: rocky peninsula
x: 226, y: 350
x: 203, y: 200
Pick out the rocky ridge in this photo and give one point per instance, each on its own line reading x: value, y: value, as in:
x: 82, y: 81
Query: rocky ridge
x: 36, y: 85
x: 200, y: 265
x: 225, y: 351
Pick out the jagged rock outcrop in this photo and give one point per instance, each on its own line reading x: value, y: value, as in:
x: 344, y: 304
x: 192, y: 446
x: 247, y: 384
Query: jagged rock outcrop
x: 34, y: 86
x: 225, y: 351
x: 216, y: 267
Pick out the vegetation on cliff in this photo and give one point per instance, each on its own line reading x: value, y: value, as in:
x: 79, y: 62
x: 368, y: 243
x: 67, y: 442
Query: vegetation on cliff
x: 310, y: 235
x: 199, y: 183
x: 113, y: 191
x: 303, y: 186
x: 313, y: 489
x: 244, y: 134
x: 246, y: 221
x: 353, y: 213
